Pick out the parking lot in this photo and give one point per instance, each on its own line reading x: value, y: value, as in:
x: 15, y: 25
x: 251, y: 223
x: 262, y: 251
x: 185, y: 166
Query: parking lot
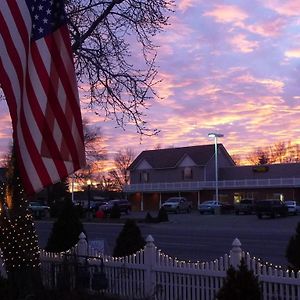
x: 201, y: 237
x: 226, y: 221
x: 194, y: 236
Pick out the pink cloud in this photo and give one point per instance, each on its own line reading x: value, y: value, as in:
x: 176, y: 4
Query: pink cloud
x: 292, y: 53
x: 268, y: 28
x: 227, y: 14
x: 273, y: 86
x: 240, y: 43
x: 286, y: 7
x: 184, y: 5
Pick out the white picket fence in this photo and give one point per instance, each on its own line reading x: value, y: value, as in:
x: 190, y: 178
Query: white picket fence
x: 151, y: 274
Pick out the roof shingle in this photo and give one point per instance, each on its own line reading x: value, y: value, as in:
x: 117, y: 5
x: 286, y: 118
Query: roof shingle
x: 170, y: 157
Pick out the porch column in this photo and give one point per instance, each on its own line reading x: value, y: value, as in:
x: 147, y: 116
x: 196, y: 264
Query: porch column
x: 159, y: 200
x: 142, y: 202
x: 198, y: 198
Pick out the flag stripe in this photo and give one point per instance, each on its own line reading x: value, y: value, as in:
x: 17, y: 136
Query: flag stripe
x: 38, y: 80
x: 54, y: 102
x: 66, y: 60
x: 13, y: 54
x: 64, y: 69
x: 43, y: 126
x: 29, y: 143
x: 25, y: 177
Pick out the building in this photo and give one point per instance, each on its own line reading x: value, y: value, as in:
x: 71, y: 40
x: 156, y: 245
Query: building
x: 156, y: 175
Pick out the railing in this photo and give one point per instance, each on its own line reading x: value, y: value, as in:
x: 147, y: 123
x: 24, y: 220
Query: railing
x: 204, y: 185
x: 151, y: 273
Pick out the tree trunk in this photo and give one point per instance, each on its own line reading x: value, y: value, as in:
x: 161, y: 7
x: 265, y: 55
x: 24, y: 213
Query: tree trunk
x: 18, y: 239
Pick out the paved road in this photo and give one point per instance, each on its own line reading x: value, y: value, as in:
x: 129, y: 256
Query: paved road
x: 203, y: 237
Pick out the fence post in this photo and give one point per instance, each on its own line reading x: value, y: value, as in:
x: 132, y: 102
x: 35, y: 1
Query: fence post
x: 150, y: 260
x: 236, y: 253
x: 82, y: 246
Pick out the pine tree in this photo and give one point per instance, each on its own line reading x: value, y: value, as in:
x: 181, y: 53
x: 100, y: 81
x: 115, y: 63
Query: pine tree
x: 66, y: 230
x: 293, y: 250
x: 18, y: 238
x: 130, y: 240
x: 240, y: 284
x: 162, y: 215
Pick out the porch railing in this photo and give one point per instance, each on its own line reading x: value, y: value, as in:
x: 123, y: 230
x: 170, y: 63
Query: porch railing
x: 206, y: 185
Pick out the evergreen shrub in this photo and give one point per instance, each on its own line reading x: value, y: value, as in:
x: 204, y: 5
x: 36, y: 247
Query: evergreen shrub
x: 149, y: 218
x: 66, y: 229
x: 292, y: 252
x: 240, y: 284
x: 130, y: 240
x: 162, y: 215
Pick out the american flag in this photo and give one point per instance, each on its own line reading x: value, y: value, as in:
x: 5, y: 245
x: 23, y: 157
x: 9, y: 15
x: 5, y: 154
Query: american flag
x: 38, y: 79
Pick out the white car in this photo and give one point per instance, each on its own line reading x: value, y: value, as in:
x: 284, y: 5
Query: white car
x: 177, y: 204
x: 209, y: 206
x: 293, y: 209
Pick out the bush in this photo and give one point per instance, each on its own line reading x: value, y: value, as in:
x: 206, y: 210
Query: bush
x: 162, y: 215
x: 240, y: 284
x: 66, y: 230
x: 149, y: 218
x: 292, y: 252
x: 130, y: 240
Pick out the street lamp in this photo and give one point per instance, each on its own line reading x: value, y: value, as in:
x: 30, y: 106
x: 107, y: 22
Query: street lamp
x: 88, y: 182
x: 215, y: 136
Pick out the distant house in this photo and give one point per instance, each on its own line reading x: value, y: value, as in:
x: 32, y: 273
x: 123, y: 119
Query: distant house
x: 156, y: 175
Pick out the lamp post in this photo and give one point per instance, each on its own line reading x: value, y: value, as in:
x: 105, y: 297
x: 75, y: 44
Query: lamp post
x: 88, y: 182
x: 216, y: 136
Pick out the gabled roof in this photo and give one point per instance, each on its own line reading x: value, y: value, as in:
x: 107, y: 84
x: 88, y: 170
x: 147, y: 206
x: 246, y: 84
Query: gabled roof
x: 170, y: 157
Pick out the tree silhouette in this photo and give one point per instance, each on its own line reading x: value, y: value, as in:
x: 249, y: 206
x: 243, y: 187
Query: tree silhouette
x: 66, y: 230
x: 240, y: 284
x: 292, y: 252
x: 122, y: 161
x: 105, y: 35
x: 130, y: 240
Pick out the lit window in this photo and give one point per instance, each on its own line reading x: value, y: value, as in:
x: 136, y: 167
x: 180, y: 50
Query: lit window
x: 187, y: 173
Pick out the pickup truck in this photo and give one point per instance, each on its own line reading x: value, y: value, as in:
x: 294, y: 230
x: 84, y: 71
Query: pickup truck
x: 271, y: 208
x: 177, y: 204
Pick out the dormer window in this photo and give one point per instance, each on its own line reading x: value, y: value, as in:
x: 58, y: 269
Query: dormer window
x: 187, y: 173
x: 144, y: 176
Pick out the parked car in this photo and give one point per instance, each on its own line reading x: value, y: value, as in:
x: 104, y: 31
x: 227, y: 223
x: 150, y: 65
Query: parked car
x: 124, y: 206
x: 245, y: 206
x: 209, y: 206
x: 292, y: 207
x: 38, y: 210
x: 96, y: 204
x: 271, y: 208
x: 177, y: 204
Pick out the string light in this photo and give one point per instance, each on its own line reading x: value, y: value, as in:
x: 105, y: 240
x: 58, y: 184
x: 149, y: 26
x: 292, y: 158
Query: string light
x: 18, y: 240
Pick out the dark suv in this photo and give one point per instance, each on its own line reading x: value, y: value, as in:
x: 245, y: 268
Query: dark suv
x: 123, y: 205
x: 271, y: 208
x: 245, y: 206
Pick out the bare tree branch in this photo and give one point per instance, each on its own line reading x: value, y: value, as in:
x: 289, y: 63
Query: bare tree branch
x: 115, y: 56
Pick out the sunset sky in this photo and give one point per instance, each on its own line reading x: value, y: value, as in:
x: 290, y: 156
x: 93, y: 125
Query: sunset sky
x: 227, y: 66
